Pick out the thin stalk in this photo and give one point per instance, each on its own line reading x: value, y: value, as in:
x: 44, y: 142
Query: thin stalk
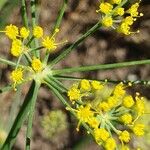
x: 140, y: 82
x: 24, y: 14
x: 36, y: 49
x: 48, y: 82
x: 58, y: 21
x: 22, y: 114
x: 5, y: 89
x: 8, y: 62
x: 33, y: 11
x: 101, y: 67
x: 75, y: 44
x: 58, y: 82
x: 60, y: 15
x: 29, y: 125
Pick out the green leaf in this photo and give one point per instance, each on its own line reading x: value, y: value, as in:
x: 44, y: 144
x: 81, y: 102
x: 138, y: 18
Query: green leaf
x: 22, y: 115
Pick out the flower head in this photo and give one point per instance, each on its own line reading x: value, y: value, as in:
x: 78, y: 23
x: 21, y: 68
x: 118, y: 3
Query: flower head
x: 110, y: 144
x: 24, y: 32
x: 124, y: 136
x: 138, y: 129
x: 37, y: 32
x: 36, y: 65
x: 16, y: 48
x: 11, y: 31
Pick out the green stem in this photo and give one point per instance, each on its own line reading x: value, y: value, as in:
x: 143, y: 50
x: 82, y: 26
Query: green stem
x: 29, y: 125
x: 7, y: 62
x: 58, y: 21
x: 100, y: 67
x: 33, y: 11
x: 24, y: 110
x: 48, y: 82
x: 24, y: 14
x: 75, y: 44
x: 141, y: 82
x: 60, y: 15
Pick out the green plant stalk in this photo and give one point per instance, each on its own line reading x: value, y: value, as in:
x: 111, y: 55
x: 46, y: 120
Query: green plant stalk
x: 101, y: 67
x: 25, y: 108
x: 60, y: 15
x: 33, y: 14
x: 5, y: 89
x: 58, y: 21
x: 58, y: 82
x: 4, y: 61
x: 24, y: 14
x: 134, y: 82
x: 48, y: 82
x: 30, y: 123
x: 75, y: 44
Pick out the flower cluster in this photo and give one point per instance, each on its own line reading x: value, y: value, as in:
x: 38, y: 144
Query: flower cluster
x: 22, y: 41
x: 115, y: 113
x: 54, y: 123
x: 115, y: 14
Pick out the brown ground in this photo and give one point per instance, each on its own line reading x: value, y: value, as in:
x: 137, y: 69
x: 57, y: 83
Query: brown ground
x: 105, y: 46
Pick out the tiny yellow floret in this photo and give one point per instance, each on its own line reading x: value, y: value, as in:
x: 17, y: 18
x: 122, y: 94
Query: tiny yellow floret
x: 119, y: 11
x: 126, y: 118
x: 49, y: 43
x: 11, y: 31
x: 105, y: 8
x: 128, y: 101
x: 101, y: 134
x: 37, y: 32
x: 24, y: 32
x: 107, y: 21
x: 74, y: 94
x: 36, y: 65
x: 110, y: 144
x: 96, y: 85
x: 124, y: 136
x: 138, y: 129
x: 16, y: 48
x: 85, y: 85
x: 17, y: 76
x: 116, y: 1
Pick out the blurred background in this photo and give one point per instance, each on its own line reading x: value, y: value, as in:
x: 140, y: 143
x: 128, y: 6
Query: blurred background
x: 104, y: 46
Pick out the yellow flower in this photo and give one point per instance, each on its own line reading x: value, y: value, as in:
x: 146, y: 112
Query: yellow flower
x: 17, y: 76
x: 96, y: 85
x: 139, y: 105
x: 128, y: 20
x: 116, y: 1
x: 85, y: 85
x: 11, y: 31
x: 124, y: 136
x: 105, y: 8
x: 93, y: 122
x: 36, y: 65
x: 119, y: 11
x: 37, y: 32
x: 24, y: 32
x: 84, y: 113
x: 104, y: 106
x: 107, y: 21
x: 133, y: 10
x: 101, y: 134
x: 16, y: 48
x: 112, y: 101
x: 128, y: 101
x: 49, y: 43
x: 110, y: 144
x: 126, y: 118
x: 138, y: 129
x: 74, y: 94
x: 124, y: 28
x: 119, y: 90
